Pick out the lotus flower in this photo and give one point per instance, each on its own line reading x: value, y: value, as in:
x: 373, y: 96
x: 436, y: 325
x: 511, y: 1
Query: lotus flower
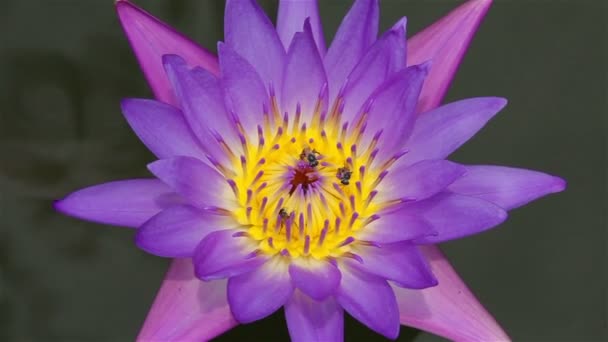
x: 315, y: 180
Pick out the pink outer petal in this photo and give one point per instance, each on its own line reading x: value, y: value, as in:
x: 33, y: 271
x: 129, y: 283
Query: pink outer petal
x: 449, y: 309
x: 151, y: 39
x: 187, y: 309
x: 445, y: 43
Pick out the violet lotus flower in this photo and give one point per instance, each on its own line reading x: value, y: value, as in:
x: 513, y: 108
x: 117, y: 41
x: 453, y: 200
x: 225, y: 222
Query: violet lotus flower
x: 291, y: 175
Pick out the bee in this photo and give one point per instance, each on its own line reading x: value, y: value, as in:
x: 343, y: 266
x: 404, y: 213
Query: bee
x: 344, y: 174
x: 310, y: 156
x: 283, y: 213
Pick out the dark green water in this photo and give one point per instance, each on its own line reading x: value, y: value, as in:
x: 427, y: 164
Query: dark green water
x: 64, y: 66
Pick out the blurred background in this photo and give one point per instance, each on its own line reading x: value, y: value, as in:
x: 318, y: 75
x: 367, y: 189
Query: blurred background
x: 64, y: 66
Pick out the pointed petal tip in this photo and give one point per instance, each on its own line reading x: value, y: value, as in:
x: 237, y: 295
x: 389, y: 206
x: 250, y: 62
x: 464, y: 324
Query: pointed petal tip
x: 400, y: 26
x: 58, y: 206
x: 391, y: 334
x: 119, y: 4
x: 124, y: 103
x: 482, y: 3
x: 128, y: 103
x: 307, y: 25
x: 425, y: 66
x: 501, y: 102
x: 559, y: 185
x: 207, y: 317
x: 171, y: 62
x: 141, y: 241
x: 478, y: 6
x: 172, y: 58
x: 150, y: 38
x: 124, y: 203
x: 155, y: 166
x: 431, y: 282
x: 446, y: 42
x: 492, y: 104
x: 68, y: 206
x: 502, y: 216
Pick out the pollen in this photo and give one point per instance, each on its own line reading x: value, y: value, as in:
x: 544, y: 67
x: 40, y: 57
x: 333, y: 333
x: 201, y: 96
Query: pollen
x: 304, y: 189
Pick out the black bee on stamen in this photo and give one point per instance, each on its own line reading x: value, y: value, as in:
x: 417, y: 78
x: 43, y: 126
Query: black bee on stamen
x: 311, y: 156
x: 344, y: 175
x: 283, y: 213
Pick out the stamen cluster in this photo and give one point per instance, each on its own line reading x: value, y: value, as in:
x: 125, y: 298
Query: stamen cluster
x: 305, y: 188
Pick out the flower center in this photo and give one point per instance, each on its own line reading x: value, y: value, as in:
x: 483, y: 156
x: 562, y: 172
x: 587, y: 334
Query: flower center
x: 305, y: 189
x: 304, y: 174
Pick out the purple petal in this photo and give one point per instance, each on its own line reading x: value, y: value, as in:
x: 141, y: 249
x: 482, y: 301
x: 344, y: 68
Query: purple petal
x: 385, y: 57
x: 317, y: 279
x: 127, y: 203
x: 395, y: 226
x: 291, y: 17
x: 187, y: 309
x: 400, y: 262
x: 209, y: 99
x: 201, y: 185
x: 176, y: 231
x: 441, y: 131
x: 161, y: 128
x: 448, y: 309
x: 419, y: 181
x: 506, y: 187
x: 370, y: 300
x: 453, y: 216
x: 151, y: 39
x: 222, y: 255
x: 304, y: 76
x: 250, y: 33
x: 391, y: 113
x: 202, y: 102
x: 356, y: 33
x: 400, y: 52
x: 445, y: 43
x: 257, y: 294
x: 309, y: 320
x: 245, y: 91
